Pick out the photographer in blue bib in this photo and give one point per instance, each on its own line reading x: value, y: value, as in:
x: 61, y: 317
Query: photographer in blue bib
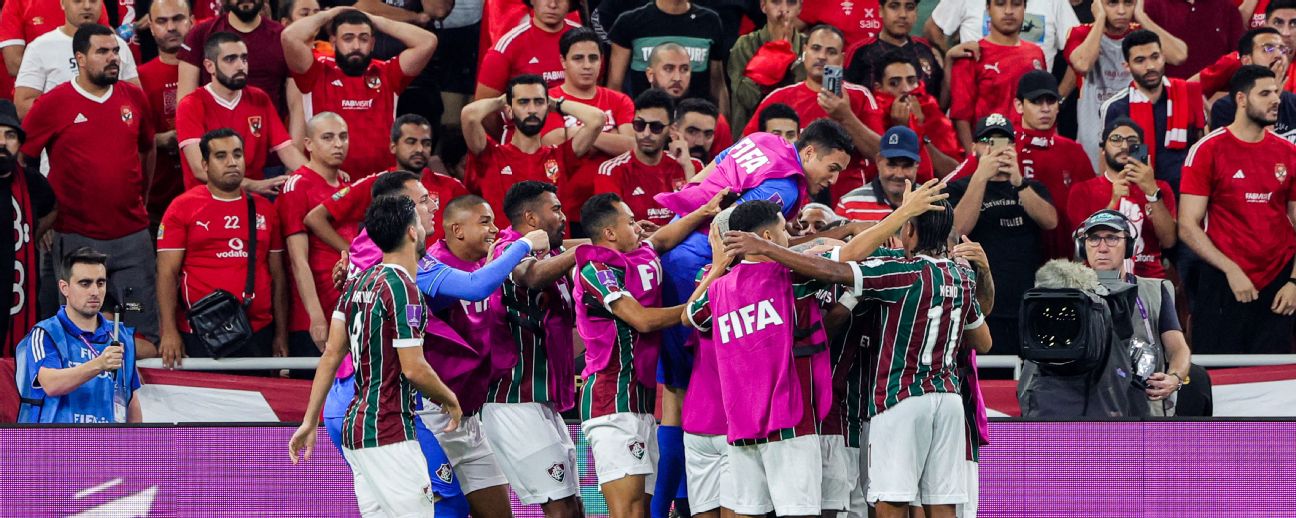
x: 77, y: 366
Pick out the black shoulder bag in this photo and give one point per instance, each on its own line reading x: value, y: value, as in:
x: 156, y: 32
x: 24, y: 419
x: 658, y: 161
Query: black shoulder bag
x: 220, y: 320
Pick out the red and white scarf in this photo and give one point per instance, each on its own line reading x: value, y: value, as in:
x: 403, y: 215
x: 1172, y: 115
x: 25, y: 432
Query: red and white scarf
x: 1183, y: 112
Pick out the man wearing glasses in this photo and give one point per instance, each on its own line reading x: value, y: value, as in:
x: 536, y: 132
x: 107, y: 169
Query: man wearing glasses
x: 1264, y: 47
x: 1006, y: 212
x: 1127, y: 185
x: 646, y: 170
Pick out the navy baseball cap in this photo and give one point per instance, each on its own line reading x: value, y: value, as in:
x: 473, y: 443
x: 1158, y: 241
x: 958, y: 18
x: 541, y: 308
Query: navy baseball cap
x: 900, y: 142
x: 1106, y: 218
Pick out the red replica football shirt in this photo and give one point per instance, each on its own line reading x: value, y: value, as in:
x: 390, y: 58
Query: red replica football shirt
x: 302, y: 192
x: 267, y: 69
x: 989, y: 85
x: 367, y: 103
x: 1093, y: 195
x: 159, y: 82
x: 861, y: 20
x: 94, y: 145
x: 579, y: 185
x: 213, y: 235
x: 251, y: 114
x: 349, y: 204
x: 526, y: 49
x: 499, y: 166
x: 1249, y: 186
x: 1058, y: 163
x: 636, y: 183
x: 21, y: 21
x: 805, y: 101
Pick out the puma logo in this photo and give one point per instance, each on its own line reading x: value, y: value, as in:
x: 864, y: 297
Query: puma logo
x: 202, y: 224
x: 994, y: 67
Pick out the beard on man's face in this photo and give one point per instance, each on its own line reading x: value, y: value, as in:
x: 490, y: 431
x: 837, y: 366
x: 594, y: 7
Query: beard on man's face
x: 353, y: 63
x: 245, y: 14
x: 7, y: 162
x: 530, y: 126
x: 235, y: 82
x: 105, y: 77
x: 698, y: 152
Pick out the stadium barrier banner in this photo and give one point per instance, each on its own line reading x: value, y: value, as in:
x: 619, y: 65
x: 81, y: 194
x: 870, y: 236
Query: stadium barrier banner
x: 1126, y: 469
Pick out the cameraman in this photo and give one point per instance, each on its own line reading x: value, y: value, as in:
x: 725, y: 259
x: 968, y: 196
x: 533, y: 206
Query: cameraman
x: 1103, y: 243
x: 77, y: 366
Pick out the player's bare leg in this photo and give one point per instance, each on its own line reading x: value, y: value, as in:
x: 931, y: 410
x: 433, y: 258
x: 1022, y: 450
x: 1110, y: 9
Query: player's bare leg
x: 569, y: 507
x: 490, y: 501
x: 626, y: 497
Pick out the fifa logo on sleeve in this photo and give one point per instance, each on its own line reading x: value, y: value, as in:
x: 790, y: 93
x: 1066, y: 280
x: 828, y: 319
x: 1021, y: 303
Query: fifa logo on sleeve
x: 748, y: 319
x: 747, y: 156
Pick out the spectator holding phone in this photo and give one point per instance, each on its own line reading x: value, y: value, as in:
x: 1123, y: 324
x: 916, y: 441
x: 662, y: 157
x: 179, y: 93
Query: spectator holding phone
x: 77, y: 366
x: 1129, y: 186
x: 1007, y: 213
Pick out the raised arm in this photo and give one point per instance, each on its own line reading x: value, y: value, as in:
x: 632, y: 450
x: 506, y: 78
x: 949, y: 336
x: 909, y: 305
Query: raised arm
x: 677, y: 231
x: 1174, y: 49
x: 592, y: 120
x: 471, y: 117
x: 537, y: 273
x: 298, y: 38
x: 419, y: 44
x: 475, y: 286
x: 746, y: 243
x: 915, y: 202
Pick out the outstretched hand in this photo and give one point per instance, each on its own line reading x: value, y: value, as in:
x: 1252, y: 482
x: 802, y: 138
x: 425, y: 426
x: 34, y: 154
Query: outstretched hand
x: 922, y: 199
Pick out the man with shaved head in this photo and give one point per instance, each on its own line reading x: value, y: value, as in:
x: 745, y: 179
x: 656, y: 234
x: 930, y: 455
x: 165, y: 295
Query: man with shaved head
x: 228, y: 101
x: 170, y: 22
x: 669, y: 70
x: 310, y: 258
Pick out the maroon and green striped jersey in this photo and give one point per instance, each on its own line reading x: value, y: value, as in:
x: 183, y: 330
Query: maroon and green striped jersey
x: 613, y: 388
x: 383, y: 311
x: 533, y: 319
x: 925, y: 306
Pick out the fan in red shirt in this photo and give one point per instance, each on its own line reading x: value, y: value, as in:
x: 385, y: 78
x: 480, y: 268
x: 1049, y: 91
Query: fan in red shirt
x: 1239, y: 179
x: 903, y: 100
x: 228, y: 102
x: 979, y: 87
x: 203, y: 247
x: 362, y: 90
x: 310, y: 258
x: 1279, y: 14
x: 861, y: 20
x: 582, y: 59
x: 1131, y: 188
x: 1049, y: 158
x: 267, y: 68
x: 21, y: 21
x: 495, y: 166
x: 647, y: 170
x: 855, y: 109
x: 530, y: 48
x: 169, y: 23
x: 412, y: 144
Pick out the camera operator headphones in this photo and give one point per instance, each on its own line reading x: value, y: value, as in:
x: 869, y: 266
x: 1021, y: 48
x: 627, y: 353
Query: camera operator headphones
x: 1103, y: 218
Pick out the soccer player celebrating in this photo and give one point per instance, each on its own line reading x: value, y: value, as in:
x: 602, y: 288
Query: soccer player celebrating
x: 311, y: 258
x: 381, y: 315
x: 495, y: 165
x: 449, y: 353
x: 645, y: 171
x: 916, y: 384
x: 531, y: 354
x: 619, y: 317
x: 368, y: 88
x: 762, y: 166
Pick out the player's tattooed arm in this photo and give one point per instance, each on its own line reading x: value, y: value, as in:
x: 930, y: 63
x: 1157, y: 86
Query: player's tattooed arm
x: 972, y: 252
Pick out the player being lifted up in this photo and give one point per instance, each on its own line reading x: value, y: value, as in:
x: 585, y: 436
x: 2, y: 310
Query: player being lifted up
x: 619, y: 316
x: 381, y: 315
x: 929, y: 312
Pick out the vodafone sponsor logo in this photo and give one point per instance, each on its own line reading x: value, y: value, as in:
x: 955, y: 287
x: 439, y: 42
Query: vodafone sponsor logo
x: 355, y: 104
x: 236, y: 250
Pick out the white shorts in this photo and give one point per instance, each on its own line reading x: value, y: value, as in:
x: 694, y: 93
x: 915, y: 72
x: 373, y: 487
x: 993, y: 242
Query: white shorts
x: 969, y: 510
x: 395, y: 477
x: 840, y: 472
x: 782, y: 476
x: 466, y: 447
x: 858, y: 507
x: 917, y: 451
x: 534, y: 449
x: 706, y: 469
x: 623, y: 444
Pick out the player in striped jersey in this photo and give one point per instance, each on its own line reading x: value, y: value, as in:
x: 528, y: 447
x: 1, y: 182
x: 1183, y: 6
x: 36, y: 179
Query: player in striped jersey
x: 619, y: 316
x: 381, y: 315
x: 928, y: 313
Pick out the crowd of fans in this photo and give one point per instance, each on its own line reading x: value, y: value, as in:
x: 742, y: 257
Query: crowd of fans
x: 179, y: 146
